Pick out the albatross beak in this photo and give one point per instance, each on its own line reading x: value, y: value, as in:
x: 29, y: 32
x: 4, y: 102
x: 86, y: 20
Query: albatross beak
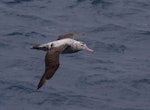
x: 88, y: 49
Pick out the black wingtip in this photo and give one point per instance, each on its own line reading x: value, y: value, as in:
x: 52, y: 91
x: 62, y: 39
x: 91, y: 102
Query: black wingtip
x: 38, y: 87
x: 41, y: 83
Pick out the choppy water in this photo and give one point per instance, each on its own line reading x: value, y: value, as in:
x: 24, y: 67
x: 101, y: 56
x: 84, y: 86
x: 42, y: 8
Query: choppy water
x: 115, y: 77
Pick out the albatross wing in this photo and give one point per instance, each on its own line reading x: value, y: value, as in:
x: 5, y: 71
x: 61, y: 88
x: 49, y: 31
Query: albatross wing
x: 51, y: 63
x: 64, y: 36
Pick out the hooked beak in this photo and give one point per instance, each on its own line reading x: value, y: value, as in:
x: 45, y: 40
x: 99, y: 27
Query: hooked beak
x: 88, y: 49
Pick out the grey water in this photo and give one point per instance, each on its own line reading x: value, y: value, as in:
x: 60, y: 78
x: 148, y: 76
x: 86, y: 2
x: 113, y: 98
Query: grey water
x: 115, y: 77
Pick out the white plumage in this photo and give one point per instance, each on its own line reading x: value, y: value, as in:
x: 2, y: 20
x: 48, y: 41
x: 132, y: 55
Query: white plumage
x: 72, y: 45
x: 69, y: 42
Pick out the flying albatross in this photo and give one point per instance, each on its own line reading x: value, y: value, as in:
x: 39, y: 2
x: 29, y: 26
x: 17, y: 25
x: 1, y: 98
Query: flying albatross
x: 64, y: 44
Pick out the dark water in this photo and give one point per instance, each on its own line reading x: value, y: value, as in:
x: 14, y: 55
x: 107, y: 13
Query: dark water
x: 115, y: 77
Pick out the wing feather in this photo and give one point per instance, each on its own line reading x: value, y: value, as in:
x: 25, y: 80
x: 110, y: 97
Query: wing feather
x: 70, y: 35
x: 51, y: 64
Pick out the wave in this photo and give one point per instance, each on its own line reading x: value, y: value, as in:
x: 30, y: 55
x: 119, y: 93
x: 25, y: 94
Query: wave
x: 15, y: 1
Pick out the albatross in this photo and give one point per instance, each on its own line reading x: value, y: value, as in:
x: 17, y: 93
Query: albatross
x: 64, y: 44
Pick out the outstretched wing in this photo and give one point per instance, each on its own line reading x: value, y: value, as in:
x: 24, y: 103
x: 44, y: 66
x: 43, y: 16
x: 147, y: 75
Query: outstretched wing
x: 51, y: 63
x: 64, y: 36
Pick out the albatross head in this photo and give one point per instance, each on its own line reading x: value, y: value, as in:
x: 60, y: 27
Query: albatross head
x: 82, y: 46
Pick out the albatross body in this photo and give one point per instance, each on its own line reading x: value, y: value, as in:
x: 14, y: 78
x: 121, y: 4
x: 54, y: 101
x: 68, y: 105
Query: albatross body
x: 64, y: 44
x: 73, y: 45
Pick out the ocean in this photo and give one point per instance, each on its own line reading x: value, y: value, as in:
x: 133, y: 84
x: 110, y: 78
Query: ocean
x: 115, y: 77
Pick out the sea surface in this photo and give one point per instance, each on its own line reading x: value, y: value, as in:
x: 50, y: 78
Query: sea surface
x: 115, y: 77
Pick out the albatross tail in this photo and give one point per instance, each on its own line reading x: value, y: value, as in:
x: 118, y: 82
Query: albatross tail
x: 40, y: 47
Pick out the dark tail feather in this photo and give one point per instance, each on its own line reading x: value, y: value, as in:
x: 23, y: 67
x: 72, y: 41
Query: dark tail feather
x: 35, y: 47
x: 42, y: 81
x: 39, y: 48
